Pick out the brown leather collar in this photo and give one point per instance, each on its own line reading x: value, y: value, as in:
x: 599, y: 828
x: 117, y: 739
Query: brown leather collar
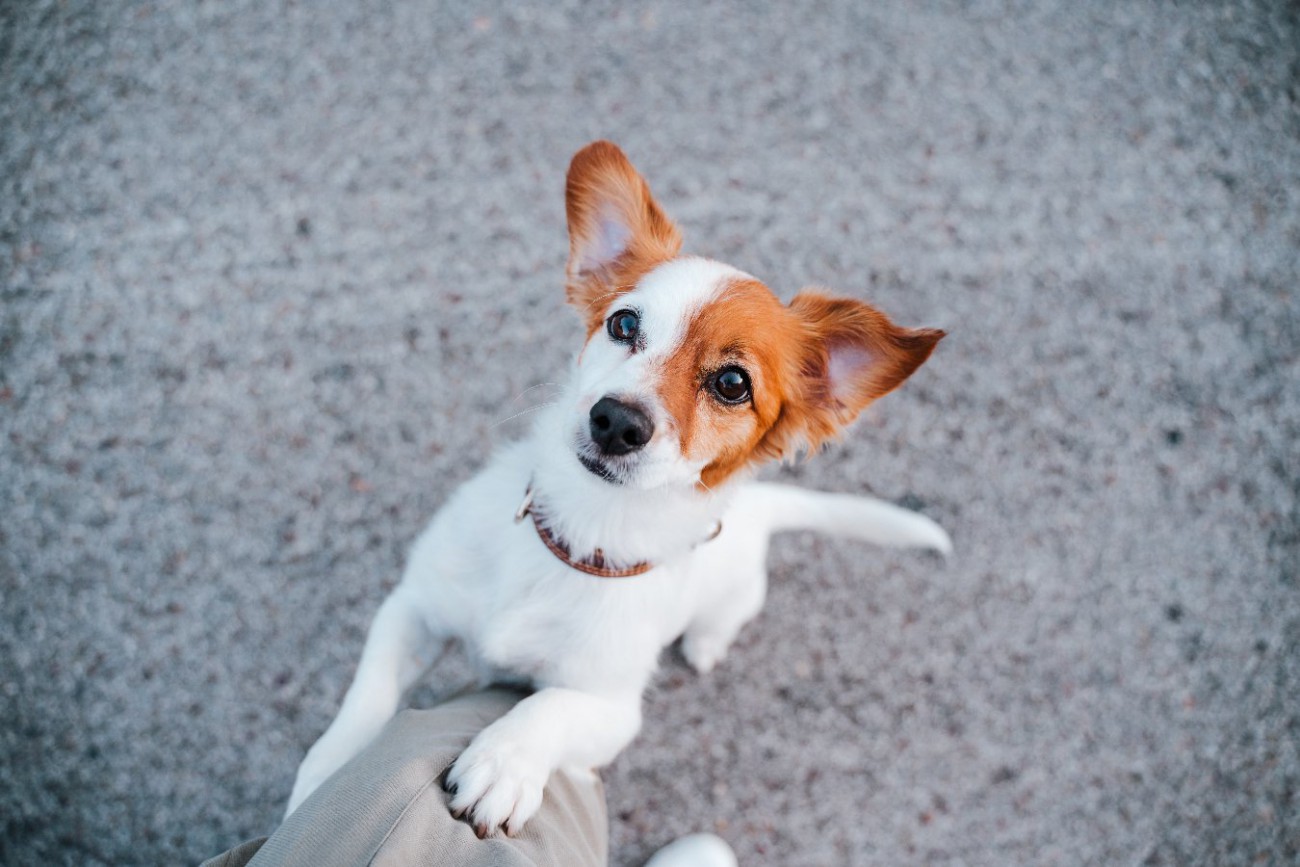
x: 593, y: 565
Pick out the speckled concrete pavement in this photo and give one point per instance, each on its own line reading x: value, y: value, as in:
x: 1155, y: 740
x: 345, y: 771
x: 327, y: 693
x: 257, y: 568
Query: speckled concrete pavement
x: 276, y: 276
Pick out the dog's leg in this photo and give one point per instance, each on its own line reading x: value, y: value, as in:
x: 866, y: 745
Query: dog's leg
x: 731, y: 574
x: 715, y: 627
x: 499, y: 778
x: 391, y: 662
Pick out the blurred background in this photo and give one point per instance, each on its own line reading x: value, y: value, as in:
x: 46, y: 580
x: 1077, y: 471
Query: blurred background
x: 277, y: 276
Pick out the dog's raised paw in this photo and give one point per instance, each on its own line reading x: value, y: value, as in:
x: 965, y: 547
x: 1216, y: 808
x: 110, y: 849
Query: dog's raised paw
x: 496, y: 786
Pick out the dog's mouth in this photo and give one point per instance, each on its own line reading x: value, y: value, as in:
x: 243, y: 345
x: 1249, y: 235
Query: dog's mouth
x: 596, y: 468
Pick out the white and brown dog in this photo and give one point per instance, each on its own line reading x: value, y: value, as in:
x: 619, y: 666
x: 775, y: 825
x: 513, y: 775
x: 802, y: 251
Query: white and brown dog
x: 626, y: 519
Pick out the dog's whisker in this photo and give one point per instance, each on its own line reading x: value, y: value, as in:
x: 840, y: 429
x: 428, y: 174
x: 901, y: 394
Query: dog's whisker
x: 533, y: 388
x: 613, y: 293
x: 521, y: 412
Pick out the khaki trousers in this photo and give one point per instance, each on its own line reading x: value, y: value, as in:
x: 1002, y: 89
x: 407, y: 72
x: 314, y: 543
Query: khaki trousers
x: 387, y: 808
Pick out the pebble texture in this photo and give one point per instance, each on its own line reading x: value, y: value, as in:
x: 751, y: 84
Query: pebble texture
x: 276, y: 276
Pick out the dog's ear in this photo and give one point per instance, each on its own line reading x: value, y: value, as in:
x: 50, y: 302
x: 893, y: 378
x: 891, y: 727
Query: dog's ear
x: 851, y: 354
x: 617, y: 231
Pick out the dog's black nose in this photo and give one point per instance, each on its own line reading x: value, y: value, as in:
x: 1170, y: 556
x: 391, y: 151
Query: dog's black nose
x: 619, y: 428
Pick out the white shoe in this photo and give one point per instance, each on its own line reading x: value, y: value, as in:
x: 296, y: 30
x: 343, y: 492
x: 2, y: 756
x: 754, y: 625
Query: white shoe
x: 695, y: 850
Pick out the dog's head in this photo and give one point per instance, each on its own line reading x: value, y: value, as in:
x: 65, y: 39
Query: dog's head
x: 693, y: 370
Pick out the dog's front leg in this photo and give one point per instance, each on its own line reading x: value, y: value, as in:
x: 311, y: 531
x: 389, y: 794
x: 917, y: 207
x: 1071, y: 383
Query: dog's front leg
x: 498, y: 780
x: 393, y: 659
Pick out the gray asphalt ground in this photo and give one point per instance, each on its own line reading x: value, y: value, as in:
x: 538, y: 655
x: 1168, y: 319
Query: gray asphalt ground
x: 277, y: 276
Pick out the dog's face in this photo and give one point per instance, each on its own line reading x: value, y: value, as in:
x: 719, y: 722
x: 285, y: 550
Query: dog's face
x: 692, y: 369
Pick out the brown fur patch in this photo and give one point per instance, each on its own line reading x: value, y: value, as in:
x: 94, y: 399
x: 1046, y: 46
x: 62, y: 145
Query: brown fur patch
x: 813, y: 366
x: 602, y: 187
x: 745, y: 326
x: 850, y: 355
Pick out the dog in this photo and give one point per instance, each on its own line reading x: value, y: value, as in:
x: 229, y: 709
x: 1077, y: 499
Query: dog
x: 627, y: 519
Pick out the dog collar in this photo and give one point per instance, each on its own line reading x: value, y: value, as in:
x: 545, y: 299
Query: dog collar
x: 595, y: 564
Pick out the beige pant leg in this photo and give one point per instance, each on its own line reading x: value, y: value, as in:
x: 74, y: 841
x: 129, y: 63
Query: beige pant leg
x: 387, y: 808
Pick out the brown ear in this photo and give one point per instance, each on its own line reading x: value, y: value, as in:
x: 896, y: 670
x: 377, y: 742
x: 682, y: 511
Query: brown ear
x: 852, y: 355
x: 617, y: 231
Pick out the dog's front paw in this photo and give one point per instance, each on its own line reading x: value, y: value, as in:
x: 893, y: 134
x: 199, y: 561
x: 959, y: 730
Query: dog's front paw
x: 495, y: 785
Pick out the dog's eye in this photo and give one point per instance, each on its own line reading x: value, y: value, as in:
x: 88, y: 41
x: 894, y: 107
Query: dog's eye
x: 624, y: 325
x: 731, y: 385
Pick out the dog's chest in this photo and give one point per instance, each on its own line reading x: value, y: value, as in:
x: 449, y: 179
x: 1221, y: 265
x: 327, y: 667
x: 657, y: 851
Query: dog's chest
x: 569, y: 629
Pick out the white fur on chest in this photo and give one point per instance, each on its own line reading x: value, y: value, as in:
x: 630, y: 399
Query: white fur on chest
x: 480, y: 575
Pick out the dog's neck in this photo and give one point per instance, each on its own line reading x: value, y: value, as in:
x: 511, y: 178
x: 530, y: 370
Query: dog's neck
x: 628, y: 524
